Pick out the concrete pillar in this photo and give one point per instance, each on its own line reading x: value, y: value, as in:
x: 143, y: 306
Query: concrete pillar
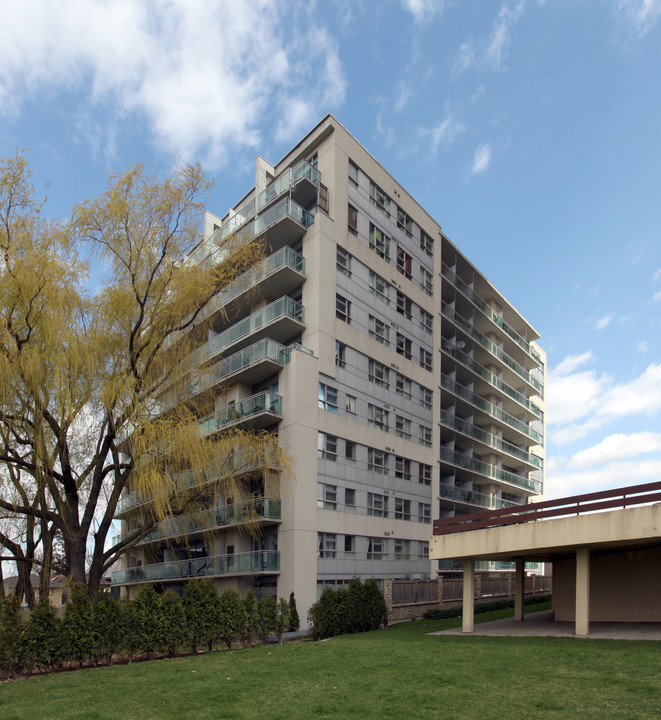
x: 582, y: 591
x: 519, y: 588
x: 467, y: 620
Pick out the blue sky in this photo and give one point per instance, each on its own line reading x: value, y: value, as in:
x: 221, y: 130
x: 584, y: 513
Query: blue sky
x: 530, y: 130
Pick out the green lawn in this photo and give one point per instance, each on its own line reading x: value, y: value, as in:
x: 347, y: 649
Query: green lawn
x: 393, y: 673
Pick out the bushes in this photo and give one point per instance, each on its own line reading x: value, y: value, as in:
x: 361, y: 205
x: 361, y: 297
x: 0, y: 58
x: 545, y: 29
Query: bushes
x: 501, y: 604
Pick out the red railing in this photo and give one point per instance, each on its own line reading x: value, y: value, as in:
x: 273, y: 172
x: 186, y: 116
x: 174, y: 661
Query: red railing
x: 575, y: 505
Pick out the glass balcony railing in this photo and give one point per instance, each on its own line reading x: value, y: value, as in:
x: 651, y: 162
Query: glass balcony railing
x: 448, y: 492
x: 492, y: 379
x: 498, y: 352
x: 491, y: 471
x: 255, y: 510
x: 264, y: 402
x: 455, y: 280
x: 263, y: 561
x: 487, y: 438
x: 489, y: 408
x: 284, y: 307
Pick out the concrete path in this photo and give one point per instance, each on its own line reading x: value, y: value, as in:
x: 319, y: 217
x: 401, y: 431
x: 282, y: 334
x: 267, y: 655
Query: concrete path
x: 542, y: 624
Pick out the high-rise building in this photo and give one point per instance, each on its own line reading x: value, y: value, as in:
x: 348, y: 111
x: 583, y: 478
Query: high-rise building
x: 400, y: 382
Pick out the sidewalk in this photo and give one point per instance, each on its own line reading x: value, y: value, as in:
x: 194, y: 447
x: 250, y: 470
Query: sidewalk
x: 541, y: 624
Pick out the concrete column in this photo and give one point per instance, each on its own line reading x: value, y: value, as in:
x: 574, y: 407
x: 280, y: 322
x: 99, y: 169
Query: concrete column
x: 467, y: 620
x: 582, y: 591
x: 519, y: 588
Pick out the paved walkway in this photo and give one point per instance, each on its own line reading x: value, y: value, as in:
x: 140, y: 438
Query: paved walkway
x: 542, y: 624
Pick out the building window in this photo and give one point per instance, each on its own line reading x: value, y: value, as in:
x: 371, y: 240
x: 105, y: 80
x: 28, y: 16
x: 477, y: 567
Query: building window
x: 423, y: 549
x: 379, y: 242
x: 350, y: 544
x: 377, y: 505
x: 343, y: 261
x: 314, y: 160
x: 379, y: 198
x: 377, y: 417
x: 353, y: 220
x: 379, y: 373
x: 377, y: 461
x: 342, y: 309
x: 402, y: 550
x: 425, y: 359
x: 403, y: 346
x: 379, y: 330
x: 404, y: 222
x: 426, y: 321
x: 326, y: 496
x: 424, y: 474
x: 353, y: 173
x: 402, y: 427
x: 404, y: 262
x: 426, y: 281
x: 425, y: 435
x: 379, y: 287
x: 402, y: 509
x: 404, y: 305
x: 350, y: 450
x: 327, y: 398
x: 403, y: 386
x: 426, y: 396
x: 402, y: 468
x: 322, y: 198
x: 340, y: 354
x: 426, y: 243
x: 326, y: 545
x: 326, y: 446
x: 375, y: 548
x: 350, y: 404
x: 349, y: 497
x: 424, y: 512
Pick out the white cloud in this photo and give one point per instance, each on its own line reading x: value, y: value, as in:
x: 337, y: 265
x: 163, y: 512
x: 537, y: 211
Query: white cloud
x: 656, y: 275
x: 657, y: 296
x: 642, y: 347
x: 616, y: 447
x: 640, y: 395
x: 424, y: 11
x: 640, y: 16
x: 570, y: 397
x: 572, y: 362
x: 194, y: 71
x: 481, y: 159
x: 444, y: 133
x: 604, y: 321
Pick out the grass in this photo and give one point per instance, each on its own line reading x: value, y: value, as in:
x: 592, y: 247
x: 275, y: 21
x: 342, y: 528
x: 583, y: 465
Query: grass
x: 395, y: 673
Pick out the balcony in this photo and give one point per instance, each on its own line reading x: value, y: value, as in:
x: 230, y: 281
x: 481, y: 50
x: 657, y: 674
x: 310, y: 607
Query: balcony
x: 264, y: 562
x: 474, y: 499
x: 466, y: 428
x: 259, y: 510
x: 280, y: 321
x: 257, y: 412
x: 490, y: 471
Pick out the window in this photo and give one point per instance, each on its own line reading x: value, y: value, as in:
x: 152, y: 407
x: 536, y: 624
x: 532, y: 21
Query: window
x: 424, y: 512
x: 402, y: 509
x: 379, y: 330
x: 404, y: 262
x: 353, y: 173
x: 377, y: 417
x: 350, y: 404
x: 403, y: 386
x: 349, y: 497
x: 322, y: 198
x: 326, y: 446
x: 426, y: 243
x: 379, y: 242
x: 425, y: 435
x: 375, y: 548
x: 404, y: 305
x: 327, y: 398
x: 326, y: 545
x: 343, y: 261
x: 426, y: 396
x: 402, y: 550
x: 377, y: 461
x: 350, y: 544
x: 425, y: 359
x: 314, y: 160
x: 424, y: 474
x: 402, y: 468
x: 342, y: 309
x: 379, y: 198
x: 403, y: 346
x: 426, y: 281
x: 379, y: 373
x: 350, y: 450
x: 402, y: 427
x: 426, y: 321
x: 423, y: 549
x: 377, y: 505
x: 404, y: 222
x: 326, y: 496
x: 379, y: 287
x: 353, y: 220
x: 340, y: 354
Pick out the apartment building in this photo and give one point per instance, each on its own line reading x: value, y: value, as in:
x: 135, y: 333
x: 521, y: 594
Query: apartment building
x: 401, y: 384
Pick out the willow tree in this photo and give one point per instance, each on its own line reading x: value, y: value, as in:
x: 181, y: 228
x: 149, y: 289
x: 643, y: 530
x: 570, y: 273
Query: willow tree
x: 95, y: 381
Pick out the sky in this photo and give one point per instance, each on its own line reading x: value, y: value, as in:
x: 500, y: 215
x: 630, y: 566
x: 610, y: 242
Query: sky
x: 529, y: 129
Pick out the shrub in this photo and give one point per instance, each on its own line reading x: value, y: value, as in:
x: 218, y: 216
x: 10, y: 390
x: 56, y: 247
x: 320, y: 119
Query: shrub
x: 173, y: 623
x: 294, y: 620
x: 282, y: 619
x: 201, y: 610
x: 148, y: 620
x: 11, y: 636
x: 79, y: 628
x: 267, y: 617
x: 251, y: 626
x: 232, y: 617
x: 501, y: 604
x: 109, y: 626
x: 44, y: 637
